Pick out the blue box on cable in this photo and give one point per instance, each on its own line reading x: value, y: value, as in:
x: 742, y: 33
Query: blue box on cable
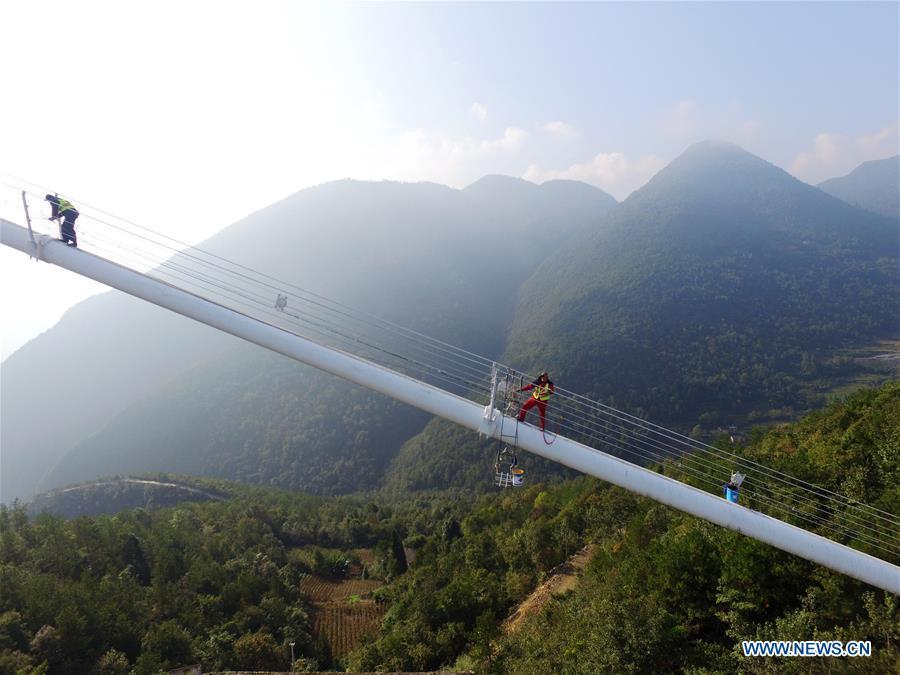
x: 731, y: 494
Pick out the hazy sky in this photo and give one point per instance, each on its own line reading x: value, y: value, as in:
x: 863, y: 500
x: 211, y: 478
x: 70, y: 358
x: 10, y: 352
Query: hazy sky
x: 186, y: 116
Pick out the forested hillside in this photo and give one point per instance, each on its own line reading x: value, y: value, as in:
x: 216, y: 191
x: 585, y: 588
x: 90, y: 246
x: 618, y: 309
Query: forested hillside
x: 256, y: 417
x: 721, y: 289
x: 219, y: 582
x: 666, y: 592
x: 423, y: 255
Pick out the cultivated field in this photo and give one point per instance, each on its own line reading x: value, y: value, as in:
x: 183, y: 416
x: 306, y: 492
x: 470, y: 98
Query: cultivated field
x: 320, y: 589
x: 345, y: 625
x: 343, y: 610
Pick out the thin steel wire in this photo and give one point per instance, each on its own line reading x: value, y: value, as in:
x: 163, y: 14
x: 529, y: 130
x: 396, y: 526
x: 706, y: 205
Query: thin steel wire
x: 658, y: 448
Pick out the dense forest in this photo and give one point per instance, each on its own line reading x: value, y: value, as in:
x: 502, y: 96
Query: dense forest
x: 219, y: 582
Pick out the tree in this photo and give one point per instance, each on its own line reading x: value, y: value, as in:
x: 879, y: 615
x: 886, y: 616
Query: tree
x: 398, y: 554
x: 45, y: 645
x: 259, y: 651
x: 324, y: 656
x: 133, y: 558
x: 113, y: 662
x: 169, y: 643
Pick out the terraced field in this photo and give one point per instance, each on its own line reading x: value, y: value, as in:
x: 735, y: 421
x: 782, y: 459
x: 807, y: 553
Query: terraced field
x: 343, y: 610
x: 346, y: 624
x: 320, y: 589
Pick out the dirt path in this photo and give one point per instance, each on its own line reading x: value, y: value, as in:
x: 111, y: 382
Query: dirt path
x: 562, y: 578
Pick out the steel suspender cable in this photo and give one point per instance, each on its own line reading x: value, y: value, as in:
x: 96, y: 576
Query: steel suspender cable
x: 260, y: 306
x: 475, y: 358
x: 730, y: 457
x: 688, y: 459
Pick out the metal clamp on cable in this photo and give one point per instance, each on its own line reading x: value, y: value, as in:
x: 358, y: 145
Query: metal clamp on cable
x: 39, y: 243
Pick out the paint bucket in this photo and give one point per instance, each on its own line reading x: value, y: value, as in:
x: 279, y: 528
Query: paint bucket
x: 518, y: 477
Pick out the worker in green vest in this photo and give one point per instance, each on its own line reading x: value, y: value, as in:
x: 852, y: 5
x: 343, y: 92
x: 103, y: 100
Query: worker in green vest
x: 66, y: 213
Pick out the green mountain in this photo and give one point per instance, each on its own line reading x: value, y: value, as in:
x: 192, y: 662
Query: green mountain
x: 872, y: 185
x: 445, y: 262
x: 252, y: 416
x: 218, y: 582
x: 721, y: 288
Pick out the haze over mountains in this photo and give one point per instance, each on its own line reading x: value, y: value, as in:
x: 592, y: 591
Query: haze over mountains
x: 873, y: 185
x: 720, y: 287
x: 423, y: 255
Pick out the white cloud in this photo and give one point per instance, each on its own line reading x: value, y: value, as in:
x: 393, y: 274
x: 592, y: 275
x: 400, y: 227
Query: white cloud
x: 512, y: 138
x: 421, y: 155
x: 560, y: 129
x: 614, y: 172
x: 836, y: 154
x: 479, y: 111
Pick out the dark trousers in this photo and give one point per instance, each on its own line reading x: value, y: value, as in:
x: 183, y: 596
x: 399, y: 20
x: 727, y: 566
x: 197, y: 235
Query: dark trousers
x: 529, y: 404
x: 67, y: 229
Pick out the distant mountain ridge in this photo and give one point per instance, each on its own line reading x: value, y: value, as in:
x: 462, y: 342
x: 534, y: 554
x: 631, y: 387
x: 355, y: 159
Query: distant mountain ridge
x: 872, y: 185
x: 712, y: 289
x: 682, y: 307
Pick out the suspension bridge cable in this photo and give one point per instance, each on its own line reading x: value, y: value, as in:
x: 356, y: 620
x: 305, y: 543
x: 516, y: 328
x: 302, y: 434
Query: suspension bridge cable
x: 703, y: 447
x: 692, y: 458
x: 686, y: 464
x: 762, y: 469
x: 282, y: 284
x: 257, y: 303
x: 686, y: 451
x: 395, y: 354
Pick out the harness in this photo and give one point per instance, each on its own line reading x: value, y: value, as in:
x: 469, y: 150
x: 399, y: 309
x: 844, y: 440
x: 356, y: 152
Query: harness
x: 541, y: 392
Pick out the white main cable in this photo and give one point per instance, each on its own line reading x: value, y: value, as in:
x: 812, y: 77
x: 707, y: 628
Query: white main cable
x: 682, y: 455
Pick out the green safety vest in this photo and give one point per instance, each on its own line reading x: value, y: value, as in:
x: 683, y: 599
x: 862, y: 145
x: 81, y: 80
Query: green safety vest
x: 542, y: 392
x: 65, y: 205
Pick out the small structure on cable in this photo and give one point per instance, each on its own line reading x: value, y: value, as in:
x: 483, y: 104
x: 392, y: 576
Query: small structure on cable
x: 281, y: 302
x: 732, y: 487
x: 66, y: 214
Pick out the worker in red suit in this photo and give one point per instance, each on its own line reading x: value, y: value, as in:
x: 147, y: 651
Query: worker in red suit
x: 541, y: 390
